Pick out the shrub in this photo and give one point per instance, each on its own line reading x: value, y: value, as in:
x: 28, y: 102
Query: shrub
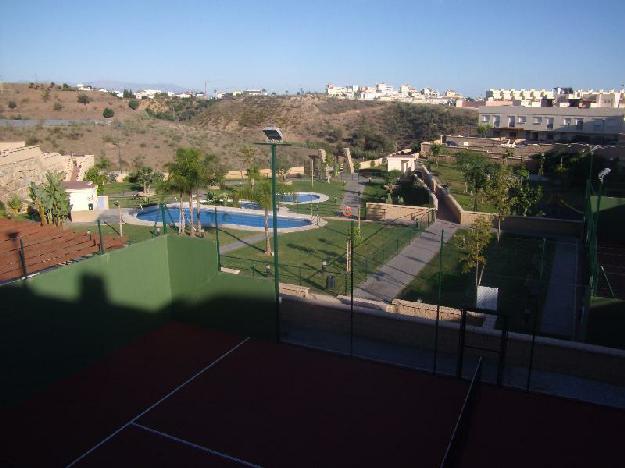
x: 108, y: 113
x: 57, y: 106
x: 84, y: 99
x: 133, y: 104
x: 12, y: 105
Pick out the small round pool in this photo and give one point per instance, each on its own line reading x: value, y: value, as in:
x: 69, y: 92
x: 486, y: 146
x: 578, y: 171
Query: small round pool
x: 207, y: 218
x: 300, y: 197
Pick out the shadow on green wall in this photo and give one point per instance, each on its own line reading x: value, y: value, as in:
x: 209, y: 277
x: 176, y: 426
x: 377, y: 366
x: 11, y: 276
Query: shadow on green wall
x: 44, y: 338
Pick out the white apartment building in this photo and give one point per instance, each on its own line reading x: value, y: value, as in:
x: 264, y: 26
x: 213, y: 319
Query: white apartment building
x: 557, y: 124
x: 386, y: 92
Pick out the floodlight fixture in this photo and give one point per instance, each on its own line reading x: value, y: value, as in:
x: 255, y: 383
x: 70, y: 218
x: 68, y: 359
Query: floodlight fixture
x: 603, y: 173
x: 273, y: 134
x: 594, y: 148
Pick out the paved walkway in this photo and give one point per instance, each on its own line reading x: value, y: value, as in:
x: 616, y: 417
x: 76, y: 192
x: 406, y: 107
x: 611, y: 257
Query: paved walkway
x: 558, y: 317
x: 240, y: 243
x: 389, y: 280
x: 353, y: 190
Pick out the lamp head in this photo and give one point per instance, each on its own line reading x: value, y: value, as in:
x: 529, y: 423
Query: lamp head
x: 273, y: 134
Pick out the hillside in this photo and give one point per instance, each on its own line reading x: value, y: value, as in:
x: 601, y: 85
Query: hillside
x: 154, y: 131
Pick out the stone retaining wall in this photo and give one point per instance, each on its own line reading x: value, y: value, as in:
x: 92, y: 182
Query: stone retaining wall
x: 551, y: 355
x: 401, y: 214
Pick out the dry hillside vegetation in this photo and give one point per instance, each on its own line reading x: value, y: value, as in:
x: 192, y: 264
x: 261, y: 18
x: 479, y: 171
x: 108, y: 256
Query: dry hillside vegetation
x: 152, y: 133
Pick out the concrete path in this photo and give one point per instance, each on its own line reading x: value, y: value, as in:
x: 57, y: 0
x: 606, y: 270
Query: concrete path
x: 353, y: 190
x: 558, y: 318
x: 238, y: 244
x: 389, y: 280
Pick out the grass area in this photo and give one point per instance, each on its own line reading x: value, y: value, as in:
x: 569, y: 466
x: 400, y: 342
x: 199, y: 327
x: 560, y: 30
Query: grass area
x: 374, y: 192
x: 301, y: 254
x: 606, y: 322
x: 334, y: 190
x: 450, y: 175
x: 136, y: 233
x: 511, y: 266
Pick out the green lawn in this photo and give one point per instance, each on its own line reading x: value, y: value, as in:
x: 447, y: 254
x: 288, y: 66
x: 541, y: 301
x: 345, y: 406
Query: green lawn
x: 301, y: 254
x: 510, y: 266
x: 449, y: 174
x: 136, y: 233
x: 334, y: 190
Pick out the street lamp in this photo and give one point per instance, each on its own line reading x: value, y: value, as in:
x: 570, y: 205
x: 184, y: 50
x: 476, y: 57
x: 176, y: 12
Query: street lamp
x: 119, y: 212
x: 274, y: 138
x: 601, y: 176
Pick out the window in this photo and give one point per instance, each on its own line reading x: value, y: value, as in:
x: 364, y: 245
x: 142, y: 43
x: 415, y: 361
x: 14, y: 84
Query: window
x: 538, y: 120
x: 522, y: 119
x: 579, y: 123
x: 511, y: 120
x: 598, y: 124
x: 485, y: 118
x: 550, y: 122
x: 567, y: 121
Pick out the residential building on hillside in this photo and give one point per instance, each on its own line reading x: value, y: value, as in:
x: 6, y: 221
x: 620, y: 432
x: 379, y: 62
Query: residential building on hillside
x: 386, y: 92
x: 568, y: 124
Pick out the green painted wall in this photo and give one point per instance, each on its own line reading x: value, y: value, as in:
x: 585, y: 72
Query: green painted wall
x: 192, y: 262
x: 56, y: 323
x: 137, y: 276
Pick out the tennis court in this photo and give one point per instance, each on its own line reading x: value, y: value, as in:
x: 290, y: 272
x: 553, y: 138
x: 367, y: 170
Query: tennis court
x: 189, y: 396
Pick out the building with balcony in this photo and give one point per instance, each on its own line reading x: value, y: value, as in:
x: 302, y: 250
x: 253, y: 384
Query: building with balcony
x: 554, y: 124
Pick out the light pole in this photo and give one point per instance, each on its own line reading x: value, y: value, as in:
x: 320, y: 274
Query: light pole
x: 601, y: 176
x: 119, y: 213
x: 274, y: 138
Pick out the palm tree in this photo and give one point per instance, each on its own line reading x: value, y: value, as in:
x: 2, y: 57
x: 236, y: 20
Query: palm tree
x: 185, y: 174
x: 260, y: 194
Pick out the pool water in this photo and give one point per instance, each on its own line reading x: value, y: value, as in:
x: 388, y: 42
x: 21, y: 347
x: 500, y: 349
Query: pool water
x: 207, y: 218
x: 299, y: 198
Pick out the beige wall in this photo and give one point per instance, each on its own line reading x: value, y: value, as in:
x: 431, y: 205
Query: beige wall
x: 551, y: 355
x: 397, y: 213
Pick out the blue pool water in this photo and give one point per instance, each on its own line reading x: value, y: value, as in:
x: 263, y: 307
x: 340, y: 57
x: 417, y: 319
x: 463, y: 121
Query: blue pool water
x: 207, y: 218
x: 297, y: 197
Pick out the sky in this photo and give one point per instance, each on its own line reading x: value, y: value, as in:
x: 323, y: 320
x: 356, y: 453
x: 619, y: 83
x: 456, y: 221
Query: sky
x: 468, y: 46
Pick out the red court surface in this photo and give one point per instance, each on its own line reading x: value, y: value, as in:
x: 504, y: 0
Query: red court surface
x: 184, y: 396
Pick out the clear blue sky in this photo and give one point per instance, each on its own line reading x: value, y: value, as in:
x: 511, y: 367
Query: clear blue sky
x: 279, y: 45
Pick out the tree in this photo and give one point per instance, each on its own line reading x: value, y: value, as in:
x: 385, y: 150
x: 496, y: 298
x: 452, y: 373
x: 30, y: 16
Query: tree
x: 128, y: 94
x: 57, y: 106
x: 83, y: 99
x: 15, y: 204
x: 12, y: 105
x: 147, y: 177
x: 185, y: 174
x: 97, y: 176
x: 133, y: 104
x: 475, y: 170
x: 499, y: 192
x: 248, y: 156
x: 526, y: 197
x: 108, y: 113
x: 435, y: 151
x: 472, y: 245
x: 483, y: 129
x: 260, y: 194
x: 50, y: 199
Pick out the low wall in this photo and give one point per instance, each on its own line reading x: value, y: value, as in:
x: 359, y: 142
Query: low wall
x: 545, y: 227
x: 84, y: 216
x: 550, y: 355
x: 370, y: 164
x: 428, y: 311
x: 401, y: 214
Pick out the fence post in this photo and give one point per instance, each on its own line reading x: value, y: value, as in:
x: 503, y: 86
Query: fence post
x: 351, y: 290
x: 23, y: 259
x: 438, y: 302
x: 217, y: 241
x: 502, y: 351
x: 163, y: 218
x: 463, y: 327
x: 101, y: 239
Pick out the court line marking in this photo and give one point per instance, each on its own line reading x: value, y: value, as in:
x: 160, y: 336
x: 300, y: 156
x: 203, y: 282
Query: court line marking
x: 154, y: 405
x: 194, y: 445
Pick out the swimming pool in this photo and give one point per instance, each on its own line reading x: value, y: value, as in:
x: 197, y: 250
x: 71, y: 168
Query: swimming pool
x: 207, y: 218
x: 290, y: 199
